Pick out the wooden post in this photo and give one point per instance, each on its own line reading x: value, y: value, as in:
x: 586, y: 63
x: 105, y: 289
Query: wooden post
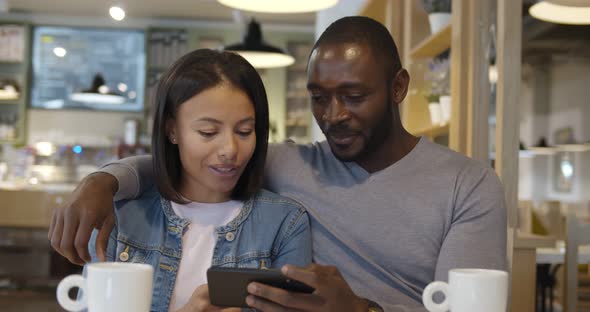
x: 508, y: 62
x: 478, y: 92
x: 470, y: 89
x: 459, y: 75
x: 507, y: 100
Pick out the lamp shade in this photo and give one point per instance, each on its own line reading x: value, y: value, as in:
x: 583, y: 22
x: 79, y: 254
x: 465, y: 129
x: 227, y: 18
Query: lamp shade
x: 259, y: 53
x: 575, y: 12
x: 279, y: 6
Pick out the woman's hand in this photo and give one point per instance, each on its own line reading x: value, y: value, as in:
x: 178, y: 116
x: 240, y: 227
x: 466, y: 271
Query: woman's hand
x: 199, y: 302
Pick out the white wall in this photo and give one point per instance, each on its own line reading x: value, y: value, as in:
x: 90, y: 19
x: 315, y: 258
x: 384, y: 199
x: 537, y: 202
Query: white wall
x: 552, y: 99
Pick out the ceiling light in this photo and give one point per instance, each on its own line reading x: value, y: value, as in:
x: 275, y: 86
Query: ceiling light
x: 59, y: 51
x: 103, y: 89
x: 44, y: 148
x: 122, y: 87
x: 259, y: 53
x: 117, y: 13
x: 274, y: 6
x: 576, y: 12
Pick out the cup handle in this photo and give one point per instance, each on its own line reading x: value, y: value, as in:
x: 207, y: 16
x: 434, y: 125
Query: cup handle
x: 63, y: 289
x: 427, y: 297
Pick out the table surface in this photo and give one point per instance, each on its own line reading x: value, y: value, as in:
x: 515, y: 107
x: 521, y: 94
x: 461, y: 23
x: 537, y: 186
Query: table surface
x: 556, y: 254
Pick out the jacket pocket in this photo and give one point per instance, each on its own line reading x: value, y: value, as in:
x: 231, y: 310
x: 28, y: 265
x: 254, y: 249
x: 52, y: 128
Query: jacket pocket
x: 256, y: 260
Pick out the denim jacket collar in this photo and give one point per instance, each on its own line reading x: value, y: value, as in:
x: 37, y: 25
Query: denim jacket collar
x: 176, y: 221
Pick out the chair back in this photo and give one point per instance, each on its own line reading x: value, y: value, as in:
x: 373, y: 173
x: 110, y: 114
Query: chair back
x: 577, y: 233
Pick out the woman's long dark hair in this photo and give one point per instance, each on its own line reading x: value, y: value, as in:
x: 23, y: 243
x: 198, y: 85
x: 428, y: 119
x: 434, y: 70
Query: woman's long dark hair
x: 190, y: 75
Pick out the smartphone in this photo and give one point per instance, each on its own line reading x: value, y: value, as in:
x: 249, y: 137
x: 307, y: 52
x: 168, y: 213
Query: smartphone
x: 227, y: 286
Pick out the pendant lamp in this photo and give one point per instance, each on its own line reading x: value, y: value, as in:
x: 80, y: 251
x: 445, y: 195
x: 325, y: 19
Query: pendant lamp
x: 575, y: 12
x: 259, y: 53
x: 279, y: 6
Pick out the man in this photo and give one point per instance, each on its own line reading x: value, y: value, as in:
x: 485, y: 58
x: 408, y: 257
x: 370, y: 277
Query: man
x: 390, y: 211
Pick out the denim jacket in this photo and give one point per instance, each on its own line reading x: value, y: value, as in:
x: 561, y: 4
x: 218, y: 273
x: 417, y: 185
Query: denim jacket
x: 269, y: 231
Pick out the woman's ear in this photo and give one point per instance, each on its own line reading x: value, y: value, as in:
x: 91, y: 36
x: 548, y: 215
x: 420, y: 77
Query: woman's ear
x: 171, y: 131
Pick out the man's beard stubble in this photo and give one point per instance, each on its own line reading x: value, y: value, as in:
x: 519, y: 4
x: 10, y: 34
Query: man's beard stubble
x: 373, y: 141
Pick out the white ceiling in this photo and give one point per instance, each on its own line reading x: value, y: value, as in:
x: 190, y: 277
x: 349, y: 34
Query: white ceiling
x: 206, y: 10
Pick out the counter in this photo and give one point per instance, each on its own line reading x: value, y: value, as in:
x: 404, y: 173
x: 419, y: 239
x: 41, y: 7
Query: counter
x: 26, y: 205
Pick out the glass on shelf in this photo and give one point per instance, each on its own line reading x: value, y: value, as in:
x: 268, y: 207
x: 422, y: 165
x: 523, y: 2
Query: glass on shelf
x: 9, y: 89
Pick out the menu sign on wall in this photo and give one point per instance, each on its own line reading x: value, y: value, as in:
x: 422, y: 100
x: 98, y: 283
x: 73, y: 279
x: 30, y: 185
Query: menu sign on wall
x: 12, y: 43
x: 85, y: 68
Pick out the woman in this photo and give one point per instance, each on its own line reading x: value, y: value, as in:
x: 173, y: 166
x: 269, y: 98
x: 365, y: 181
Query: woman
x: 207, y: 209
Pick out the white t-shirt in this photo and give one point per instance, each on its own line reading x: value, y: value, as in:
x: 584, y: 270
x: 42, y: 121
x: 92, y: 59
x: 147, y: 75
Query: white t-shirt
x: 197, y: 244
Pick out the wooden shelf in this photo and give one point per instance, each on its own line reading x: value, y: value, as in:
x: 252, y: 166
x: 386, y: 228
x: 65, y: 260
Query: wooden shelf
x: 3, y: 62
x: 10, y: 102
x: 434, y: 131
x: 532, y: 241
x: 433, y: 45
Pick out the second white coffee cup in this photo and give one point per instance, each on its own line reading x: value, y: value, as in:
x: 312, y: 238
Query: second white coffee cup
x: 109, y: 286
x: 469, y: 290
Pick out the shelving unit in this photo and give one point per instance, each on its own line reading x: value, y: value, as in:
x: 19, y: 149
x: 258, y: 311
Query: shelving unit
x: 434, y: 44
x: 164, y: 46
x: 15, y: 39
x: 419, y: 47
x: 298, y: 117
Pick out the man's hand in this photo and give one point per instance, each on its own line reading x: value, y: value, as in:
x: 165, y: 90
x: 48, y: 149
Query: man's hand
x: 332, y: 293
x: 89, y: 206
x: 199, y: 302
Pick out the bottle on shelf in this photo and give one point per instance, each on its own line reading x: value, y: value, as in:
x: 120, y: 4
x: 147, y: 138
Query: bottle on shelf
x: 3, y: 127
x: 11, y: 128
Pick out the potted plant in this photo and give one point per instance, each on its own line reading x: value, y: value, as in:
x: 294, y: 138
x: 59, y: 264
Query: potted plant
x: 432, y: 97
x: 440, y: 76
x: 439, y: 13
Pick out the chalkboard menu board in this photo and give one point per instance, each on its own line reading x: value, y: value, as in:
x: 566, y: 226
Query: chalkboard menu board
x: 86, y: 68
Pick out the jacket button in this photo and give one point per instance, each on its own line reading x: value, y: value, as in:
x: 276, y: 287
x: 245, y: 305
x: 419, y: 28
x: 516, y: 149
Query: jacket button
x: 124, y: 256
x: 230, y: 236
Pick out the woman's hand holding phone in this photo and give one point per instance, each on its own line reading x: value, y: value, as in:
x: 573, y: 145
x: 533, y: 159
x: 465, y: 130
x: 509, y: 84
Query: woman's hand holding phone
x: 199, y: 302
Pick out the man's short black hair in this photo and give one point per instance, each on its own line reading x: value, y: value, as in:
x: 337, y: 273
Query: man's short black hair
x: 364, y: 30
x: 192, y: 74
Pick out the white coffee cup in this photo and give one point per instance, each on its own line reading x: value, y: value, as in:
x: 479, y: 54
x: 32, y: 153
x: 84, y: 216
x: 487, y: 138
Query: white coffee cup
x: 109, y: 286
x: 469, y: 290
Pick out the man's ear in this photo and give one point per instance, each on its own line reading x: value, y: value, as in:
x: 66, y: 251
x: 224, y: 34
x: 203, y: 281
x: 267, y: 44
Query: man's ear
x: 401, y: 82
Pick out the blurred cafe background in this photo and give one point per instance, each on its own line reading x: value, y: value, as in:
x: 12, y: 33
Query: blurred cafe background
x: 503, y: 81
